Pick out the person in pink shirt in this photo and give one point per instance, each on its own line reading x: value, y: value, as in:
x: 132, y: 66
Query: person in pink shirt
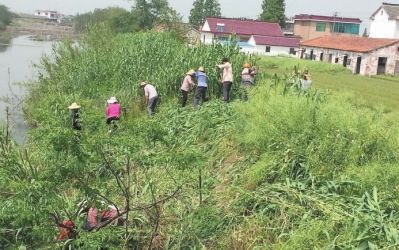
x: 227, y: 78
x: 92, y: 220
x: 187, y: 85
x: 113, y: 111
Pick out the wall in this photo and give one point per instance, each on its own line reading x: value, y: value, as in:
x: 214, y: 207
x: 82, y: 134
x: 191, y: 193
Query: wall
x: 207, y: 38
x: 307, y: 30
x: 369, y: 63
x: 274, y: 50
x: 382, y: 27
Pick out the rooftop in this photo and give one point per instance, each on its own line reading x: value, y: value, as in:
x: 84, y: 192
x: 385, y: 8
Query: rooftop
x: 353, y: 44
x: 390, y: 8
x: 306, y: 17
x: 292, y: 42
x: 242, y: 26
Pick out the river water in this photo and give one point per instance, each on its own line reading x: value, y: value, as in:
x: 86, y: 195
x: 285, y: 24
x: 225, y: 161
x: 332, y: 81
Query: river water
x: 17, y: 59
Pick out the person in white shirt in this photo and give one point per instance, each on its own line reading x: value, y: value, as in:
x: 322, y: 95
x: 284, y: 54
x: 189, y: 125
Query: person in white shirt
x: 227, y: 78
x: 151, y: 97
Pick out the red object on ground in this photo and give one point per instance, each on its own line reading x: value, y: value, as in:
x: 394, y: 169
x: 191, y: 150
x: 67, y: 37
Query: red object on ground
x: 66, y: 230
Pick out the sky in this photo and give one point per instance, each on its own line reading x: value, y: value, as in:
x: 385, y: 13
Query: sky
x: 230, y: 8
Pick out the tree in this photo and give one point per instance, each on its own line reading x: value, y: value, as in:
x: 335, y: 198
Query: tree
x: 211, y: 8
x: 151, y: 12
x: 202, y: 9
x: 197, y: 13
x: 365, y: 33
x: 5, y: 16
x: 274, y: 11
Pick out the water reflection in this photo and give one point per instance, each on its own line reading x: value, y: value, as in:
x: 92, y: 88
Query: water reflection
x: 5, y: 41
x: 16, y: 69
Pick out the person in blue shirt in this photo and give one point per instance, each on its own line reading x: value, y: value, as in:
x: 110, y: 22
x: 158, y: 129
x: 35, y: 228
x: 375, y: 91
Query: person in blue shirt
x: 202, y: 86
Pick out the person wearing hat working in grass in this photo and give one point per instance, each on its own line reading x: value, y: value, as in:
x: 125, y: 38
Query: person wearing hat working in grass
x: 227, y: 78
x: 187, y: 84
x: 74, y: 108
x: 202, y: 86
x: 247, y: 79
x: 151, y: 97
x: 113, y: 111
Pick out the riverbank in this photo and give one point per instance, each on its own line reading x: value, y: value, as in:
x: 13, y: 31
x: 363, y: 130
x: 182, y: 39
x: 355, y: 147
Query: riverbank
x: 39, y: 29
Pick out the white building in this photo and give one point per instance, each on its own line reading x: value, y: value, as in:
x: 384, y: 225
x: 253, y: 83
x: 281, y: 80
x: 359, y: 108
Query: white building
x: 253, y: 36
x: 269, y: 45
x: 385, y: 21
x: 362, y: 55
x: 47, y: 14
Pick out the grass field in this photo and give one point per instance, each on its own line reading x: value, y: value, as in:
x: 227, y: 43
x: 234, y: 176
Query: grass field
x: 376, y: 92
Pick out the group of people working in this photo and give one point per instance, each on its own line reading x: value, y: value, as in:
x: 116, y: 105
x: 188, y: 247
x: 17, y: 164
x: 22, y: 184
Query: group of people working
x: 94, y: 218
x: 192, y: 79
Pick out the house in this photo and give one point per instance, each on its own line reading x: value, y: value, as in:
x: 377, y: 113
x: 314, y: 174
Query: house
x: 47, y: 14
x: 362, y: 55
x: 253, y: 36
x: 269, y: 45
x: 311, y: 26
x: 385, y: 21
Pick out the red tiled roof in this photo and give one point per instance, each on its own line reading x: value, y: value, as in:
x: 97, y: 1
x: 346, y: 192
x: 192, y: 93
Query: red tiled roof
x: 353, y: 43
x: 244, y: 27
x: 292, y: 42
x: 304, y: 17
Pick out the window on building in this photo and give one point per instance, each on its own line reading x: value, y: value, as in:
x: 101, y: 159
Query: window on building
x: 220, y: 27
x: 349, y: 28
x: 46, y: 13
x: 336, y: 60
x: 267, y: 49
x: 320, y: 27
x: 292, y: 51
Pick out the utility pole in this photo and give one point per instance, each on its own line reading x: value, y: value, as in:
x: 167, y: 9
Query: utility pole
x: 335, y: 16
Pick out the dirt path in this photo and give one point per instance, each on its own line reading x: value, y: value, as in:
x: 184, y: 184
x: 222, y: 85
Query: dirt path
x: 40, y: 29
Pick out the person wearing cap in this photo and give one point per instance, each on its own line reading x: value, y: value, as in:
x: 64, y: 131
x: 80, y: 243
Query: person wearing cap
x: 188, y: 83
x: 74, y: 108
x: 113, y: 111
x: 227, y: 78
x: 202, y: 86
x: 151, y: 97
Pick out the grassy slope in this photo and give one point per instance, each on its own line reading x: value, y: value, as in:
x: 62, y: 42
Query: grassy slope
x: 270, y: 179
x: 374, y: 91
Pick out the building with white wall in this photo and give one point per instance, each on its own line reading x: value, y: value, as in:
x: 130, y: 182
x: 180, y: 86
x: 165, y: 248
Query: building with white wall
x: 253, y: 36
x: 47, y: 14
x: 362, y: 55
x: 385, y: 21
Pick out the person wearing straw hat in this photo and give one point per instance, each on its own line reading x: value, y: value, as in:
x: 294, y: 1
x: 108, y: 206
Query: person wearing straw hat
x: 113, y: 111
x: 202, y: 86
x: 247, y: 79
x: 151, y: 97
x: 187, y: 85
x: 74, y: 108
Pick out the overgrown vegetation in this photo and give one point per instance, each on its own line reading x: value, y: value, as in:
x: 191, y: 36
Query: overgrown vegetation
x: 143, y: 16
x: 288, y: 169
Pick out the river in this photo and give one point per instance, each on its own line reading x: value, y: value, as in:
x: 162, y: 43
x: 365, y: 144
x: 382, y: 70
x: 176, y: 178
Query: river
x: 17, y: 57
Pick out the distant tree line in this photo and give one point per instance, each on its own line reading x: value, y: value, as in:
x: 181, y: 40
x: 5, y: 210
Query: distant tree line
x: 5, y: 17
x: 145, y: 14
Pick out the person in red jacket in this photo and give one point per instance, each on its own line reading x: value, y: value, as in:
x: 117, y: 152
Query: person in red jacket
x: 66, y: 230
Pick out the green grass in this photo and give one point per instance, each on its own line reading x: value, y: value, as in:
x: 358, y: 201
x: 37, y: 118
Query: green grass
x: 375, y: 92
